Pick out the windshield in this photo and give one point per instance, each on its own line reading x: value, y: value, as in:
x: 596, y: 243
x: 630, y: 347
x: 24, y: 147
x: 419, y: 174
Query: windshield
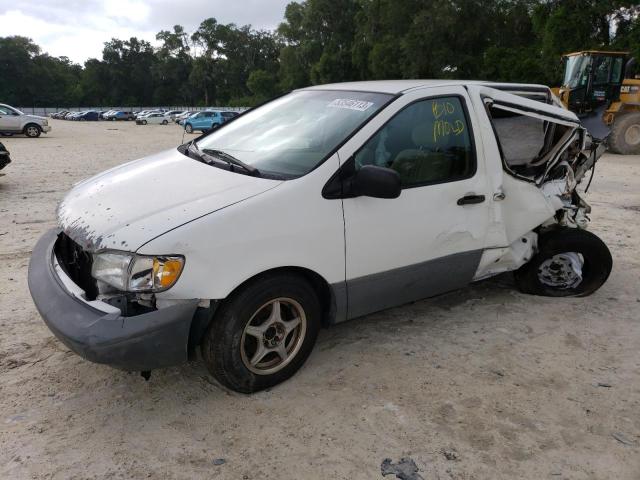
x: 575, y: 72
x: 291, y: 135
x: 7, y: 110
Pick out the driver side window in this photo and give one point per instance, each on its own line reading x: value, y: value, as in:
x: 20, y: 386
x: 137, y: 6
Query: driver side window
x: 427, y: 142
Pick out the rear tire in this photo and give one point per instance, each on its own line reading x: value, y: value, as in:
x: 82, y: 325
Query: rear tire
x: 556, y: 251
x: 625, y: 134
x: 241, y: 346
x: 32, y: 130
x: 164, y: 122
x: 144, y: 122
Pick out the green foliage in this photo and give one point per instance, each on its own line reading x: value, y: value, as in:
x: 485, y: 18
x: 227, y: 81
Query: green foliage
x: 322, y: 41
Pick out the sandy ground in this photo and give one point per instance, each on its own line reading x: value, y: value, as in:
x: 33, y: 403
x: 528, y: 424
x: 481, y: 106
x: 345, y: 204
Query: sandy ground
x: 484, y: 383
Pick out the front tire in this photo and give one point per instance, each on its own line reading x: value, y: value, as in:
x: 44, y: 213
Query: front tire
x: 625, y: 134
x: 188, y: 128
x: 32, y: 130
x: 570, y: 263
x: 164, y: 122
x: 144, y: 122
x: 263, y: 333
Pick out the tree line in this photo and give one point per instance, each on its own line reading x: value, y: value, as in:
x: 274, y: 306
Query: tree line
x: 321, y: 41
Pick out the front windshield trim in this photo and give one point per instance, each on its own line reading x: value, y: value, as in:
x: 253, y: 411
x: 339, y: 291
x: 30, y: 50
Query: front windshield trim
x: 383, y: 106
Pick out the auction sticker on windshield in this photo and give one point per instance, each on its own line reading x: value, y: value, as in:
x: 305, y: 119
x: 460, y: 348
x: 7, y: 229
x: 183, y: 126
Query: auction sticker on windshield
x: 358, y: 105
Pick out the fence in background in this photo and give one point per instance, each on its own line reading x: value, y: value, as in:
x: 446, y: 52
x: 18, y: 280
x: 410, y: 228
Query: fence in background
x: 45, y: 111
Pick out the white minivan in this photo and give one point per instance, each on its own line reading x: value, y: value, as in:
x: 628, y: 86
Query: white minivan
x: 325, y: 204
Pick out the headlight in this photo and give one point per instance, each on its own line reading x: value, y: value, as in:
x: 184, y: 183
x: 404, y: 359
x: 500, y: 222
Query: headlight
x: 137, y: 273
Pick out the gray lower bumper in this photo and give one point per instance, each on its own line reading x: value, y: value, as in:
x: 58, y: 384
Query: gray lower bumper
x: 142, y: 342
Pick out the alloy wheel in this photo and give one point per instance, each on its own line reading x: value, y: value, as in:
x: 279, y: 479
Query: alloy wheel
x: 273, y: 336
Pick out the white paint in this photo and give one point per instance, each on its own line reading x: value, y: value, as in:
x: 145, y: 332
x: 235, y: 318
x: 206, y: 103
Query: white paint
x: 424, y: 223
x: 231, y: 227
x: 129, y: 205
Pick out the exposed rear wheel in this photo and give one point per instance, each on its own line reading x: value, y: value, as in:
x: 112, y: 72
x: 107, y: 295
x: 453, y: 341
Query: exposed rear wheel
x: 570, y: 263
x: 625, y: 134
x: 263, y: 333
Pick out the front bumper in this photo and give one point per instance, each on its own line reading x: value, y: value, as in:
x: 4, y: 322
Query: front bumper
x: 46, y: 128
x: 142, y: 342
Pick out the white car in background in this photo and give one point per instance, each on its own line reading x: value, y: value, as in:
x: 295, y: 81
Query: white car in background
x: 172, y: 114
x: 13, y: 121
x: 153, y: 119
x: 183, y: 116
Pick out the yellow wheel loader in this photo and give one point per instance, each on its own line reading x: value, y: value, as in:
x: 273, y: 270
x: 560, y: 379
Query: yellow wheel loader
x: 603, y: 89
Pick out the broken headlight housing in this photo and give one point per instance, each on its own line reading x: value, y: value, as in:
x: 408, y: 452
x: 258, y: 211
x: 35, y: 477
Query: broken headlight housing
x: 130, y: 272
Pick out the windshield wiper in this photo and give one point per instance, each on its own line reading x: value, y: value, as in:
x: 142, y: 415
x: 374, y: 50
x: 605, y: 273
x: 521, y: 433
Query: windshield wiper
x: 219, y: 157
x: 231, y: 160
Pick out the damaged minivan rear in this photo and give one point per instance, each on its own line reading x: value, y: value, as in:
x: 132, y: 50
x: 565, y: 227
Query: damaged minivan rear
x: 329, y: 203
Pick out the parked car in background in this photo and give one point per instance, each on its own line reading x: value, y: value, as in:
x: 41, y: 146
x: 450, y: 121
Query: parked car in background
x: 204, y: 121
x: 13, y: 121
x: 4, y: 157
x: 228, y: 115
x: 104, y: 115
x: 88, y: 116
x: 153, y: 119
x: 59, y: 114
x: 180, y: 118
x: 142, y: 113
x: 172, y: 114
x: 121, y: 115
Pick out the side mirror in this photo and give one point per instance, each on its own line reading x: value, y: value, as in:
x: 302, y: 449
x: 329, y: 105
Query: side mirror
x: 376, y: 182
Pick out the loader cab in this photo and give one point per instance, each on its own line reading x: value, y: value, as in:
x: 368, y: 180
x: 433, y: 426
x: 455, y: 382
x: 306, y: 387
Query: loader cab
x: 592, y: 79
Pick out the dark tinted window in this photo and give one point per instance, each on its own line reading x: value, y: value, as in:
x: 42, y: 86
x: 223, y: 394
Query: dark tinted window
x: 427, y: 142
x: 602, y: 70
x: 616, y: 74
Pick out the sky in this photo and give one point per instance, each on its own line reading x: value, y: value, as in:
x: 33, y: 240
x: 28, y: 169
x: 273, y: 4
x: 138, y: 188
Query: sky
x: 78, y: 28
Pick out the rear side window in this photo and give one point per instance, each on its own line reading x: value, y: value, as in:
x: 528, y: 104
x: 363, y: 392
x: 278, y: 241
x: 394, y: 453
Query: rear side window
x: 521, y: 138
x: 427, y: 142
x: 526, y: 142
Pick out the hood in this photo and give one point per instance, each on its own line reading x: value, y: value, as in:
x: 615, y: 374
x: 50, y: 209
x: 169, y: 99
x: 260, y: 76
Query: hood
x: 125, y: 207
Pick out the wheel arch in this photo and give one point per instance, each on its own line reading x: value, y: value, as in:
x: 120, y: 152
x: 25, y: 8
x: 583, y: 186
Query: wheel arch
x: 326, y: 296
x: 323, y: 289
x: 29, y: 124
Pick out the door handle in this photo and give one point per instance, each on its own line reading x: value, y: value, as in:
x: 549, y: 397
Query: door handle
x: 471, y: 199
